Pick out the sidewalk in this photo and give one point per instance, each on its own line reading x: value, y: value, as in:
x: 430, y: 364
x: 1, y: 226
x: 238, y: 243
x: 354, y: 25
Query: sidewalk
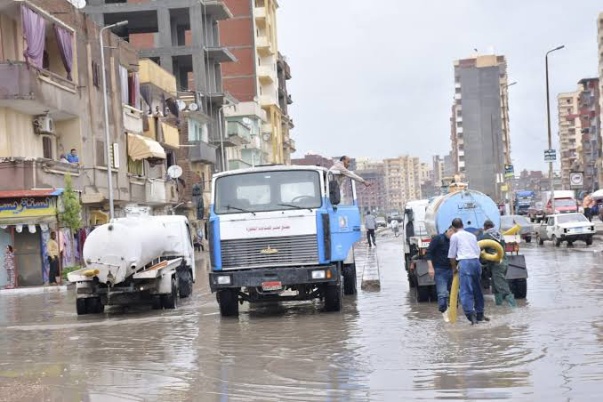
x: 34, y: 290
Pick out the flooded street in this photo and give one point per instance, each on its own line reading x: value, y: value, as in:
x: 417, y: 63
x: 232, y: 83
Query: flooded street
x: 383, y: 347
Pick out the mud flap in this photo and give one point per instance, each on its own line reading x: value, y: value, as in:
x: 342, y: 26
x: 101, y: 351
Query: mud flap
x: 517, y: 267
x: 423, y: 278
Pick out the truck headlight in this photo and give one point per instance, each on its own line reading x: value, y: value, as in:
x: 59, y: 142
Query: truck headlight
x: 319, y: 274
x: 224, y: 280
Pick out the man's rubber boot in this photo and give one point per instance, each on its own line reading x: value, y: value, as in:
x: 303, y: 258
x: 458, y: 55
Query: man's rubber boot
x: 482, y: 317
x: 511, y: 300
x: 472, y: 317
x: 498, y: 299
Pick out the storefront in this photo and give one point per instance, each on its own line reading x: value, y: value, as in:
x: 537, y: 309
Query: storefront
x: 26, y: 220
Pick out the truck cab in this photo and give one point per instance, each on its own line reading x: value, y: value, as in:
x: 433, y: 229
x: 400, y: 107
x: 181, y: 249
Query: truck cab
x: 280, y: 233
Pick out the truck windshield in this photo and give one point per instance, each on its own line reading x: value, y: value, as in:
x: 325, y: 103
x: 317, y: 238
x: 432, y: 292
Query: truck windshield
x: 267, y: 191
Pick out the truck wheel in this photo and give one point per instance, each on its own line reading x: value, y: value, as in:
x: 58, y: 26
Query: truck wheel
x: 229, y: 302
x: 156, y: 302
x: 528, y: 239
x: 185, y: 283
x: 170, y: 301
x: 540, y: 241
x: 589, y: 240
x: 333, y: 297
x: 349, y: 279
x: 519, y: 287
x: 556, y: 241
x: 81, y: 306
x: 94, y: 305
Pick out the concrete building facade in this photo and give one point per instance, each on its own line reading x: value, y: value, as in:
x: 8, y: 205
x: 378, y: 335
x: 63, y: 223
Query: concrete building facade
x: 480, y: 131
x: 570, y: 144
x: 590, y: 133
x: 373, y: 197
x: 402, y: 181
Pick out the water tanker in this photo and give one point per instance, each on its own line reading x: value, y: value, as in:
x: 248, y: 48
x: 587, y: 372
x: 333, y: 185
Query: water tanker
x: 136, y: 259
x: 473, y: 207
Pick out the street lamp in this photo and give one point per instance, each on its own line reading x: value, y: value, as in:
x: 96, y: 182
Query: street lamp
x: 548, y: 119
x: 107, y: 138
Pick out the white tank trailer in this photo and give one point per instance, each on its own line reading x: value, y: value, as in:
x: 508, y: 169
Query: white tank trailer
x: 137, y: 259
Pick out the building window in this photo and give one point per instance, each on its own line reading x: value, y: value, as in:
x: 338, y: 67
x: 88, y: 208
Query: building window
x: 95, y: 74
x: 100, y: 153
x: 136, y: 168
x: 47, y: 147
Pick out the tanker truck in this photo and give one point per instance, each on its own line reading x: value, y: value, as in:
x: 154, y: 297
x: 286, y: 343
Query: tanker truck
x: 474, y: 208
x: 137, y: 259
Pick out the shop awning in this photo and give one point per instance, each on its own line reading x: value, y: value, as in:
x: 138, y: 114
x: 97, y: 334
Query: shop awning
x: 47, y: 192
x: 29, y: 220
x: 140, y: 147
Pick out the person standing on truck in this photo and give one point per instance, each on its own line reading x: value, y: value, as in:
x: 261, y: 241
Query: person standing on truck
x: 464, y: 256
x: 500, y: 286
x: 439, y: 268
x: 370, y: 224
x: 341, y: 167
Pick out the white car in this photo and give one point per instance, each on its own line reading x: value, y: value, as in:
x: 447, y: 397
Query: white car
x: 566, y: 227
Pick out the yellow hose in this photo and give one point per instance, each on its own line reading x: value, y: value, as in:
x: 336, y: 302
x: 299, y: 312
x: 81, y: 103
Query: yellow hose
x: 454, y: 298
x: 90, y: 272
x: 491, y: 244
x: 513, y: 230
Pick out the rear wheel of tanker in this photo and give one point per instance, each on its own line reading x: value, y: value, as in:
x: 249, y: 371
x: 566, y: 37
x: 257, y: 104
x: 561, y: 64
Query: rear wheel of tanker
x: 170, y: 301
x: 589, y: 240
x: 349, y: 279
x: 81, y: 306
x: 94, y: 305
x: 528, y: 239
x: 156, y: 302
x: 228, y: 299
x: 333, y: 297
x: 519, y: 287
x: 185, y: 283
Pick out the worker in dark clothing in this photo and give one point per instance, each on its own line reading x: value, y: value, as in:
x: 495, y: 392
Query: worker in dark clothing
x: 500, y: 286
x: 440, y: 269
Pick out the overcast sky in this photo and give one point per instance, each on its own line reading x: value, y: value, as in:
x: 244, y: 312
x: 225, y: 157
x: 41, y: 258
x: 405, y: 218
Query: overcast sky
x: 375, y: 78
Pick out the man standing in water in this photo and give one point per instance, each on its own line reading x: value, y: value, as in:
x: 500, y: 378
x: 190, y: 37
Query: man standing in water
x: 439, y: 268
x: 464, y: 255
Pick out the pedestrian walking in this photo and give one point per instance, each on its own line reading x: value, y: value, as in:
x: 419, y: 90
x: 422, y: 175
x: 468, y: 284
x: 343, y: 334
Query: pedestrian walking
x: 52, y: 250
x: 394, y: 225
x: 464, y: 255
x: 9, y: 266
x: 370, y: 224
x: 588, y: 203
x: 440, y: 269
x: 500, y: 286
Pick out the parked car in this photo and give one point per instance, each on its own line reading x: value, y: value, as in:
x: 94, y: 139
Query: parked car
x: 381, y: 222
x: 527, y: 229
x: 536, y: 211
x: 568, y: 228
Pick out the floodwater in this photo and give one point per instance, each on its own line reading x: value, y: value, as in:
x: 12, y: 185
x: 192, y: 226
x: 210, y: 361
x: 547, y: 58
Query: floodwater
x: 383, y: 346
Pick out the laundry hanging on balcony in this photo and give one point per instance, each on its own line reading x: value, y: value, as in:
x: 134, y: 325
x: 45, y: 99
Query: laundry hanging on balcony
x: 140, y: 147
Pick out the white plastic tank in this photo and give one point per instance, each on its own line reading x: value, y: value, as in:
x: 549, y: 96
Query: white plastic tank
x: 119, y: 248
x: 473, y: 207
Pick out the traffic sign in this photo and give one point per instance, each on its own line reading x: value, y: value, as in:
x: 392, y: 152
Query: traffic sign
x: 509, y: 171
x: 576, y: 179
x: 550, y: 155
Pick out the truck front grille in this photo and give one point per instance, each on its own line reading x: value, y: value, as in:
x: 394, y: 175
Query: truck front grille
x: 266, y: 252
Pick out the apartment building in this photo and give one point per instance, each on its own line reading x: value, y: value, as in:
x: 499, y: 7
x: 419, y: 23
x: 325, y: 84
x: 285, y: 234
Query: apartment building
x: 402, y: 181
x: 258, y: 80
x: 313, y: 159
x: 51, y: 102
x: 590, y: 134
x: 570, y: 144
x: 373, y: 197
x: 438, y: 166
x: 182, y: 36
x: 599, y: 164
x: 480, y: 129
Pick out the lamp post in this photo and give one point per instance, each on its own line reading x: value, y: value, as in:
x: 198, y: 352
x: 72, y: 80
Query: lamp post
x: 508, y: 145
x: 548, y: 119
x: 106, y: 107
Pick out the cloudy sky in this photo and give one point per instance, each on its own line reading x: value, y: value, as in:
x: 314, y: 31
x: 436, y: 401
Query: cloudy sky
x: 374, y: 78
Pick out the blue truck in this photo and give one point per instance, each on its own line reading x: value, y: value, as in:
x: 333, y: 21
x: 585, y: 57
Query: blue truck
x: 282, y: 233
x: 522, y: 202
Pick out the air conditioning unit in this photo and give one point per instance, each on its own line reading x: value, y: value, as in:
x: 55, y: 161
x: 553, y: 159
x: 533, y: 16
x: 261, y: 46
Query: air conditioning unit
x: 44, y: 125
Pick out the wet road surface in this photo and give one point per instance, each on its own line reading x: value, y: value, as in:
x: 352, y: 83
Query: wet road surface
x: 383, y: 346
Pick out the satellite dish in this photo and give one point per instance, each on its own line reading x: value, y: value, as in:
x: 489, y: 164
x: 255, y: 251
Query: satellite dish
x: 174, y: 171
x: 193, y: 107
x: 247, y: 121
x: 181, y: 105
x: 78, y: 3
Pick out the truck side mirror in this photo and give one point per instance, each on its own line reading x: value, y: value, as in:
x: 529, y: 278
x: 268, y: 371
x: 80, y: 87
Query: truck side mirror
x: 334, y: 192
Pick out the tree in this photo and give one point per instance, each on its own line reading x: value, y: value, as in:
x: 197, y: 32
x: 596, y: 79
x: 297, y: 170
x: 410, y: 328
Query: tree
x: 71, y: 216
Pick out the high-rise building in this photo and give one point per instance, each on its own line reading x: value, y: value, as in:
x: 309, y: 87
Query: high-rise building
x: 590, y: 138
x: 599, y: 163
x: 371, y: 197
x: 438, y: 170
x: 402, y: 181
x: 569, y: 135
x: 480, y: 129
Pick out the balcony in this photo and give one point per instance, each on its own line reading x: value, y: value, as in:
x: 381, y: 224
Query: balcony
x: 150, y: 73
x: 202, y: 152
x: 160, y: 192
x: 264, y: 46
x: 20, y: 174
x: 170, y: 135
x: 268, y: 100
x: 35, y: 92
x: 217, y: 9
x: 234, y: 164
x: 266, y: 74
x: 132, y: 119
x: 219, y: 54
x: 260, y: 15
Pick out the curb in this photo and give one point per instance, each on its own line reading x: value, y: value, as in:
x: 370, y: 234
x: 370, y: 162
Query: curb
x: 34, y: 290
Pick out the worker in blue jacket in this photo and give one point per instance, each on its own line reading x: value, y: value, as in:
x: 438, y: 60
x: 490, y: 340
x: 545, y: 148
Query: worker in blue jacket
x: 440, y: 270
